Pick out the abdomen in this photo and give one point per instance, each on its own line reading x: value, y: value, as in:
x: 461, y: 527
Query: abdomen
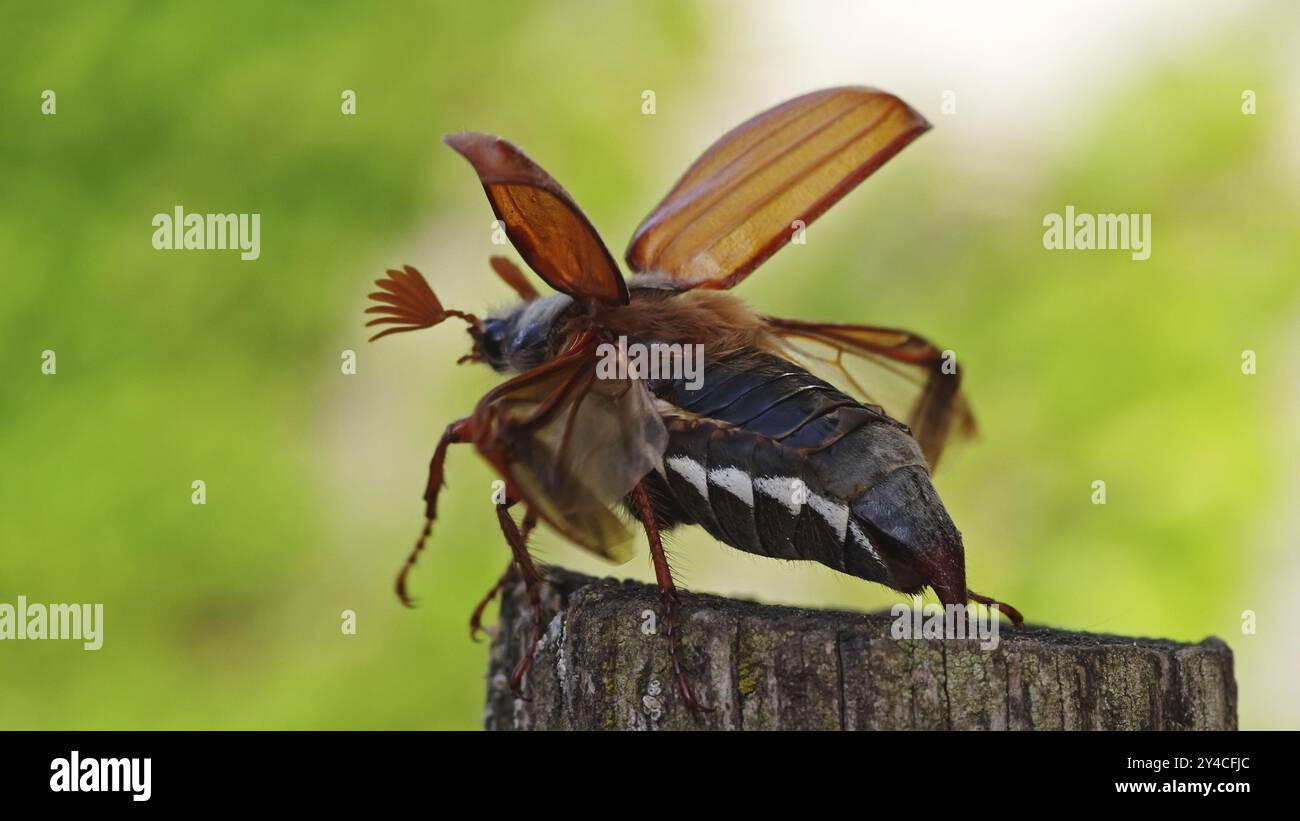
x: 772, y: 460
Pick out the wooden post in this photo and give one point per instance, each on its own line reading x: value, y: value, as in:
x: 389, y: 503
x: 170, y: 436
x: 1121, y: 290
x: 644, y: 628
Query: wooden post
x: 603, y: 664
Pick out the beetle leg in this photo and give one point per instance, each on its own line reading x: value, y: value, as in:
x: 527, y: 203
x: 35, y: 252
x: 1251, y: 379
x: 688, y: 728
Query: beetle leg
x: 668, y: 600
x: 532, y: 583
x: 458, y: 431
x: 1012, y: 613
x: 476, y: 620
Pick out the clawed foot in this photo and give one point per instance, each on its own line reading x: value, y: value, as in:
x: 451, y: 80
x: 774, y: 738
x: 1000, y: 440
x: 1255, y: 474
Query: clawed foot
x: 526, y: 663
x: 476, y: 618
x: 669, y: 604
x: 1017, y: 620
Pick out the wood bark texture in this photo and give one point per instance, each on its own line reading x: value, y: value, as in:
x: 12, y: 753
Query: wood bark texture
x: 603, y: 664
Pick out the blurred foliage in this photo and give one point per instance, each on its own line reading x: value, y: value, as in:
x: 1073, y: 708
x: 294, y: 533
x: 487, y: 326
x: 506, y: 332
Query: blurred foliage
x: 177, y: 366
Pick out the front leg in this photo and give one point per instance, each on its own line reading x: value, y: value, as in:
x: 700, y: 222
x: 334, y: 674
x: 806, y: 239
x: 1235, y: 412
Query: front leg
x: 668, y: 600
x: 458, y: 431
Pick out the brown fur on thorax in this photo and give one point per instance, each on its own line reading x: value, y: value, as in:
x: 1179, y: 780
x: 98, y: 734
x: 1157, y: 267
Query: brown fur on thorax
x: 716, y: 319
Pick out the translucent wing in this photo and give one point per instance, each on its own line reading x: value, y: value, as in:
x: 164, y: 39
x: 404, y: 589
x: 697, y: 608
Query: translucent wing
x: 737, y: 205
x: 571, y: 445
x: 901, y: 372
x: 546, y: 226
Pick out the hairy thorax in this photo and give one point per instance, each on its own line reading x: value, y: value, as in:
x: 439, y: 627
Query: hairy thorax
x: 716, y: 319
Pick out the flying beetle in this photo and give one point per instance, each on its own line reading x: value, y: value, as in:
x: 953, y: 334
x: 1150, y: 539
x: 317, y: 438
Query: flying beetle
x: 803, y: 440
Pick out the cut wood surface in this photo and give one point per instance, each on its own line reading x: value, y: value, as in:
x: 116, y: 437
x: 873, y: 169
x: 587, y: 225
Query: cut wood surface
x: 603, y: 664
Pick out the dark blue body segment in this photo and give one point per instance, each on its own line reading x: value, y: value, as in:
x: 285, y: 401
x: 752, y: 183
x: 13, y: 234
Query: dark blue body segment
x: 772, y: 460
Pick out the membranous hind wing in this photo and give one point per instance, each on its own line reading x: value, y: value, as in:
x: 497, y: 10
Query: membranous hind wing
x: 571, y: 444
x: 753, y: 189
x: 911, y: 379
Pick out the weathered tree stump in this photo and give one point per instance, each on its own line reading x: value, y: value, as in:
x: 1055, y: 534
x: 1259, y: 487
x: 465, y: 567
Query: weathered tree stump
x: 766, y: 667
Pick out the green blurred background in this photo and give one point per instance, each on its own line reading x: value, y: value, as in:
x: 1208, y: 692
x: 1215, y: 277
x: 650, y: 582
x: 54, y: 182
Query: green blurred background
x: 176, y: 366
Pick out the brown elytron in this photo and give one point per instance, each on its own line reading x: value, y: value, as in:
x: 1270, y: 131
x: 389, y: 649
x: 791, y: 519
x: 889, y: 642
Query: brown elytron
x: 799, y: 440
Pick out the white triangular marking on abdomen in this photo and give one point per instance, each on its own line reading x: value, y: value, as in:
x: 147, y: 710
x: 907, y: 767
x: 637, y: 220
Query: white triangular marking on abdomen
x: 862, y: 541
x: 836, y: 515
x: 782, y: 489
x: 735, y: 481
x: 690, y: 470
